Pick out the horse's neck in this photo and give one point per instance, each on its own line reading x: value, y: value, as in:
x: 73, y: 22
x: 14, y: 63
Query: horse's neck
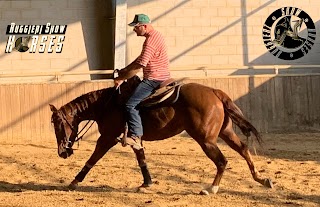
x: 86, y: 106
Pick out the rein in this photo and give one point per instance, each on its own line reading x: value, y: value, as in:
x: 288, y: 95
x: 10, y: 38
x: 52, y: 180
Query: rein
x: 77, y: 137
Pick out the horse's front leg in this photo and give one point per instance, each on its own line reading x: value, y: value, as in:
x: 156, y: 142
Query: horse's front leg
x: 102, y: 147
x: 147, y: 182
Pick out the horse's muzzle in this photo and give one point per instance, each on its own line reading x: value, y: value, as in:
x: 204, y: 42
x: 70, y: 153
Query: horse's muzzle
x: 67, y: 152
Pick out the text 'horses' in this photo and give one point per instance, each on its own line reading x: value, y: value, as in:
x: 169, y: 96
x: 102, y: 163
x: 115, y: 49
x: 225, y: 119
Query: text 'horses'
x: 203, y: 112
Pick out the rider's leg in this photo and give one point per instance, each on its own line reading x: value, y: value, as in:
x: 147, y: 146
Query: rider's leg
x: 144, y: 89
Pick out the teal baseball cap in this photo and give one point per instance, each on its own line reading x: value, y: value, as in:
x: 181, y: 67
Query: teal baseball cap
x: 140, y: 19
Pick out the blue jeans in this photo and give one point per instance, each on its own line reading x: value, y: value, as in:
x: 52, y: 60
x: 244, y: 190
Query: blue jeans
x: 144, y: 89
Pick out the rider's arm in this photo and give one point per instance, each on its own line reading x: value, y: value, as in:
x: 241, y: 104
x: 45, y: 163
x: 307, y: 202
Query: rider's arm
x: 129, y: 71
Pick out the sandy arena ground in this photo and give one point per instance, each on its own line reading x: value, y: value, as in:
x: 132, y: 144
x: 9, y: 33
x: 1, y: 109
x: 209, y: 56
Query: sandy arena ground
x: 34, y: 175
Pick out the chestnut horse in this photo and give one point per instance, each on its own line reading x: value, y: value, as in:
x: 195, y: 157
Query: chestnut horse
x: 203, y: 112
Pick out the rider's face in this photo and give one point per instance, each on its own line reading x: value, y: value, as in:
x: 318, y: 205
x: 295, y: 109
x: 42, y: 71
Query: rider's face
x: 140, y: 29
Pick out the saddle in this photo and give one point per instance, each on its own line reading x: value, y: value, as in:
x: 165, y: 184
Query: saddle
x: 169, y: 89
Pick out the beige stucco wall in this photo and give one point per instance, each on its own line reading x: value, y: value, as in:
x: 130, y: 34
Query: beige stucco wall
x: 87, y: 39
x: 74, y: 54
x: 214, y: 34
x: 201, y: 34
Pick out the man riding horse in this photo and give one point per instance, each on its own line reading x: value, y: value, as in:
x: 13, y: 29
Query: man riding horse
x: 155, y: 64
x: 203, y: 112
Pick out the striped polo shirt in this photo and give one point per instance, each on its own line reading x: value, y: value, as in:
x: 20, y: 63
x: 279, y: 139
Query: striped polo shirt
x: 154, y: 57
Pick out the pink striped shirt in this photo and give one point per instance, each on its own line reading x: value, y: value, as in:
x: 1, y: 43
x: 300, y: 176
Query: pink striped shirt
x: 154, y: 57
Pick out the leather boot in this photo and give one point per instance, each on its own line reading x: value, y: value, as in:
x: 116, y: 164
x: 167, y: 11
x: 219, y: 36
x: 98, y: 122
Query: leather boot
x: 134, y: 142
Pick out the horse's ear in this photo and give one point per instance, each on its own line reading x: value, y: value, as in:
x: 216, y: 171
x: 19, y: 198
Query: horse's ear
x: 53, y: 108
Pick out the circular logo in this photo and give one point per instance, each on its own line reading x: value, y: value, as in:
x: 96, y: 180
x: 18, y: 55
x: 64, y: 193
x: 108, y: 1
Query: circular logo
x: 21, y: 44
x: 289, y: 33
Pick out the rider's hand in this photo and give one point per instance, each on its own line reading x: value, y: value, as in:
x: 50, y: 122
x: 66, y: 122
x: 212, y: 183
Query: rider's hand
x: 117, y: 83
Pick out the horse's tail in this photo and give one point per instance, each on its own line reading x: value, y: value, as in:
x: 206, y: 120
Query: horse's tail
x: 236, y: 115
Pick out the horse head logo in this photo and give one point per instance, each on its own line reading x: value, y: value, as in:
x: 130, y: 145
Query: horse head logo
x: 286, y: 35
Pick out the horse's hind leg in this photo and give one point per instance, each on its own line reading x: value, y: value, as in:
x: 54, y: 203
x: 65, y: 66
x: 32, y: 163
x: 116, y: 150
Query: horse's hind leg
x: 230, y: 137
x: 143, y: 166
x: 205, y: 132
x: 102, y: 146
x: 213, y: 152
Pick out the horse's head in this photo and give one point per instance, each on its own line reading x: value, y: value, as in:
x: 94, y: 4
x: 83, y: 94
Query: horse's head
x: 65, y: 132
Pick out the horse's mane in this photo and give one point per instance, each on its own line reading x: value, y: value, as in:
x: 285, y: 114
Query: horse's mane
x: 99, y: 98
x: 86, y: 100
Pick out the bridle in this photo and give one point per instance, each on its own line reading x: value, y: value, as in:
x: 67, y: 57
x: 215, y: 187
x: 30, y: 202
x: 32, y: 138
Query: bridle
x: 77, y: 137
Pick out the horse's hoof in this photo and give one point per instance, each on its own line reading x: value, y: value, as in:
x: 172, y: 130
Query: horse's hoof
x: 143, y: 190
x: 268, y: 183
x: 145, y: 185
x: 204, y: 192
x: 73, y: 185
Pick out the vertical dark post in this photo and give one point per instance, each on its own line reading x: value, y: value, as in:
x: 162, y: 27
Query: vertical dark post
x: 105, y: 14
